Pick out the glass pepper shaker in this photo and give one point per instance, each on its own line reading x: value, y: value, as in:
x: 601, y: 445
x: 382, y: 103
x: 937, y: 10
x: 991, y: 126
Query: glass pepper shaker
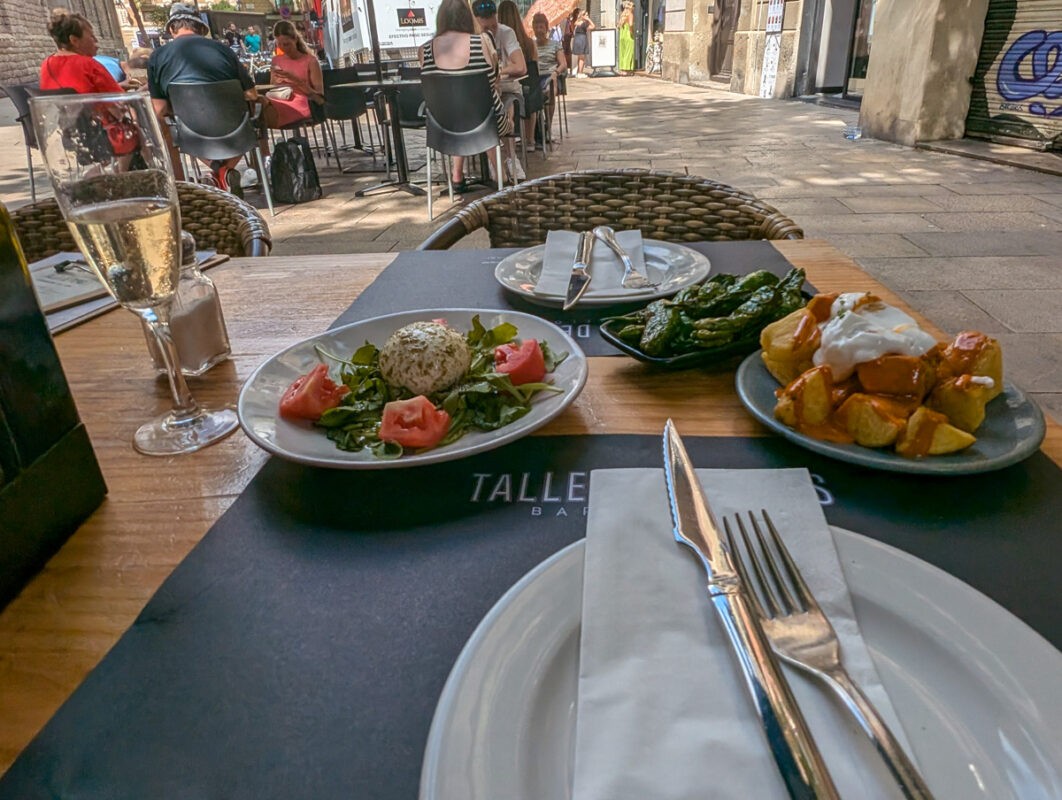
x: 196, y: 321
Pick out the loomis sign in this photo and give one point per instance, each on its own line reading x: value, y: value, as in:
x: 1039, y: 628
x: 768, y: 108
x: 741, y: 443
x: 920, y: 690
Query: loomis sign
x: 405, y: 24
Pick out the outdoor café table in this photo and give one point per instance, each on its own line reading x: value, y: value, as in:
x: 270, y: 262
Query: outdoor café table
x: 390, y: 88
x: 87, y: 596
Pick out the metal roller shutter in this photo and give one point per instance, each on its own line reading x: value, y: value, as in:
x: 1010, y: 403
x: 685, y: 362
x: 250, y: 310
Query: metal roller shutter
x: 1017, y: 86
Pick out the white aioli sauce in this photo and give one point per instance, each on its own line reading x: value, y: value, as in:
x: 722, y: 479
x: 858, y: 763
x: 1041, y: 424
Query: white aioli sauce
x: 859, y: 332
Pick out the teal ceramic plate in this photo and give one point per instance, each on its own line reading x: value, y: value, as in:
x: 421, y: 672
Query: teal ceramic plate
x: 1012, y: 431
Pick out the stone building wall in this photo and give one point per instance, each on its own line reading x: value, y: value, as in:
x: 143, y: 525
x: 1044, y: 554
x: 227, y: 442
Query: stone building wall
x: 687, y: 56
x: 24, y: 40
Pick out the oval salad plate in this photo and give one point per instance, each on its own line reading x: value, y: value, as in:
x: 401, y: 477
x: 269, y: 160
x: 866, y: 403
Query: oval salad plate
x: 306, y: 444
x: 672, y: 266
x: 1012, y: 431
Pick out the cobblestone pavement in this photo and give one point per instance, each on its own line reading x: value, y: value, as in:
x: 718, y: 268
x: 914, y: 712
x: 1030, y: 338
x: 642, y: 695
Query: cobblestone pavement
x: 969, y: 242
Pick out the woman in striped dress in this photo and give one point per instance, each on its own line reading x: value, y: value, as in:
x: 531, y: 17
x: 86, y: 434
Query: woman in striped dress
x: 457, y: 47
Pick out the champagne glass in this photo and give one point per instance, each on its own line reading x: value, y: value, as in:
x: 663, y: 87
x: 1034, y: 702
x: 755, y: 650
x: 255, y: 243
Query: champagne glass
x: 111, y: 172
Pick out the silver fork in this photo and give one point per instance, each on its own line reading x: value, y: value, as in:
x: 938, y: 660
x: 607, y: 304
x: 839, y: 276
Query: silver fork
x: 632, y: 278
x: 801, y: 634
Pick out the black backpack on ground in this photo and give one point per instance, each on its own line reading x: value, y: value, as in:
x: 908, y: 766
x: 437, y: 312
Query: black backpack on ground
x: 292, y: 173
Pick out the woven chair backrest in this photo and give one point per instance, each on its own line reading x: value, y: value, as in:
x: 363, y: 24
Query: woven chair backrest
x: 663, y: 206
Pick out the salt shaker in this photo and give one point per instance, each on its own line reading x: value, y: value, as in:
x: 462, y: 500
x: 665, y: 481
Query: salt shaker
x: 196, y: 321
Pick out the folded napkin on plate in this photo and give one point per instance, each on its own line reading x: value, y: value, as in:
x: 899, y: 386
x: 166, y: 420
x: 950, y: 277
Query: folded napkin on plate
x: 606, y: 270
x: 662, y: 710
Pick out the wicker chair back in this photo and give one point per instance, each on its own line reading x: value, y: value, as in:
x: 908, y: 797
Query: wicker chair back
x: 662, y: 205
x: 218, y: 221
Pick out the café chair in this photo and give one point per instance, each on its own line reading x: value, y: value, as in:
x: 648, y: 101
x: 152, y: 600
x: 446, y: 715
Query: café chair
x: 20, y: 95
x: 218, y: 221
x: 535, y: 103
x: 662, y: 205
x: 214, y: 121
x: 561, y: 112
x: 460, y: 120
x: 343, y: 104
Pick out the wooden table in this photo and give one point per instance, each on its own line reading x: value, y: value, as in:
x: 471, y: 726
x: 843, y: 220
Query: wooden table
x: 89, y: 593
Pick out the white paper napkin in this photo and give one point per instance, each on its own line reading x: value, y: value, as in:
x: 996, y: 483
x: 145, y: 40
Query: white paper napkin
x: 662, y: 710
x: 606, y: 270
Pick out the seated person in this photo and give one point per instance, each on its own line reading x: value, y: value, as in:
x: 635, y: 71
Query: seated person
x: 119, y: 71
x: 530, y: 96
x: 73, y: 65
x: 192, y: 57
x: 512, y: 66
x: 456, y: 47
x: 551, y: 64
x: 296, y: 67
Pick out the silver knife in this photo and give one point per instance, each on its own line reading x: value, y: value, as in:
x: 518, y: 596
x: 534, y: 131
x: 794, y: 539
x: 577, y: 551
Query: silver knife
x: 794, y: 751
x: 580, y: 277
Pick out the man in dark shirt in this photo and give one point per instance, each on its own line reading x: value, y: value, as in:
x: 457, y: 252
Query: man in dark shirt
x: 193, y: 58
x: 232, y: 38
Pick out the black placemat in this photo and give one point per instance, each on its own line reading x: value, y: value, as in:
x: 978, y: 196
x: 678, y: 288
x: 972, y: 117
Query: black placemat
x: 465, y: 279
x: 299, y: 650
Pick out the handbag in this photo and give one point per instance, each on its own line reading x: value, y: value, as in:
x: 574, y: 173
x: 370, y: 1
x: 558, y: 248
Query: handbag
x: 101, y: 136
x: 123, y: 135
x: 280, y: 93
x: 293, y: 173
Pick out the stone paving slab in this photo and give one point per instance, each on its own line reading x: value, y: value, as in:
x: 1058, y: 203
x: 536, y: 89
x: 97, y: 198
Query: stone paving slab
x: 967, y: 273
x: 968, y: 242
x: 991, y: 220
x: 953, y: 312
x: 990, y: 243
x: 1022, y: 310
x: 876, y: 245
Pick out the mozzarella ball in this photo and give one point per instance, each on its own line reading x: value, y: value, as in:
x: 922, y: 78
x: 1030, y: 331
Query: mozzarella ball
x: 425, y: 357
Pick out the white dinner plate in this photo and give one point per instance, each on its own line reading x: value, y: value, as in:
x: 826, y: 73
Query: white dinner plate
x: 978, y: 691
x: 302, y: 442
x: 1012, y: 431
x: 673, y: 266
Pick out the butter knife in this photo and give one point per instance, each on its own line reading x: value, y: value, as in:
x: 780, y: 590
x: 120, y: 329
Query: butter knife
x: 795, y: 753
x: 580, y: 277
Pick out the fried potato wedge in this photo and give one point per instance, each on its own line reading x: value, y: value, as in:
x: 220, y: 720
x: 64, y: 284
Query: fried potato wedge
x: 962, y: 400
x: 929, y: 433
x: 873, y: 420
x: 897, y: 375
x: 806, y: 400
x: 974, y: 353
x: 789, y: 343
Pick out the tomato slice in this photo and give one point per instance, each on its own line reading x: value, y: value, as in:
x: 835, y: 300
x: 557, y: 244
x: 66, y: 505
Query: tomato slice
x: 311, y: 395
x: 523, y: 363
x: 414, y: 422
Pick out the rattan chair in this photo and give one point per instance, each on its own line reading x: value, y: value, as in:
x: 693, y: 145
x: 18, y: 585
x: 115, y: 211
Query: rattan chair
x: 218, y: 221
x: 663, y: 205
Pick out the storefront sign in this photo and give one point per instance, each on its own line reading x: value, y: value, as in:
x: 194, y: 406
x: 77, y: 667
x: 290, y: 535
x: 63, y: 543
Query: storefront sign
x: 775, y: 16
x: 402, y: 25
x: 603, y: 48
x: 411, y: 18
x: 344, y: 28
x: 769, y: 76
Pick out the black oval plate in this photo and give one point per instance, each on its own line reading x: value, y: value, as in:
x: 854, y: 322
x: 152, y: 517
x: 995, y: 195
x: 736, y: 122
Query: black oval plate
x: 697, y: 358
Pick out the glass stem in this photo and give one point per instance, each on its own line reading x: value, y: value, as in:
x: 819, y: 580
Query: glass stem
x: 158, y: 320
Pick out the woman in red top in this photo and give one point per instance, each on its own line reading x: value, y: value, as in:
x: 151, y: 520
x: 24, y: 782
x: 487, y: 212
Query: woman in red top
x: 299, y: 70
x: 73, y: 65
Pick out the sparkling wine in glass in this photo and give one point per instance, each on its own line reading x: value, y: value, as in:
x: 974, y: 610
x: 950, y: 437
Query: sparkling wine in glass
x: 112, y: 178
